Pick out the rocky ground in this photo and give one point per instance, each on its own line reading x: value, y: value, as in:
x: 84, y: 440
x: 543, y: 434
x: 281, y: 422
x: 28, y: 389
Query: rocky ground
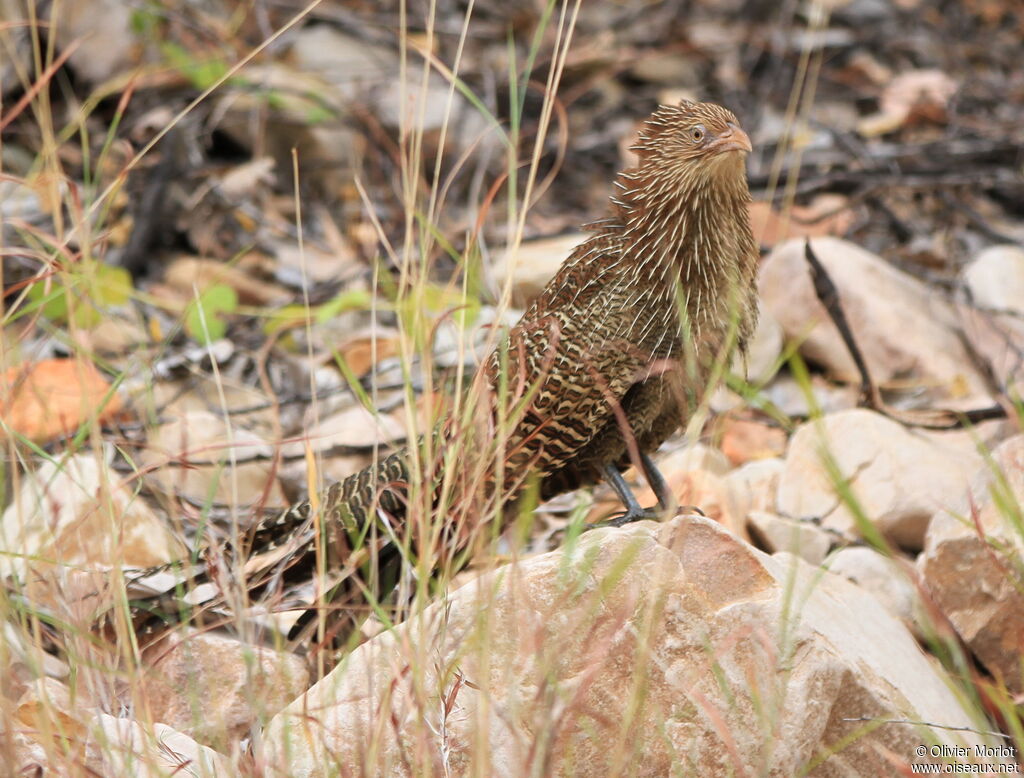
x: 207, y: 314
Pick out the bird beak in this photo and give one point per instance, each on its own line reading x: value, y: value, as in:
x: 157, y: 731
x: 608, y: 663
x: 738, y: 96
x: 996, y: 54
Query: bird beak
x: 733, y: 139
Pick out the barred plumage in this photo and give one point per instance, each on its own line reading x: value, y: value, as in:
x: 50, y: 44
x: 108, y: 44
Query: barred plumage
x: 610, y: 359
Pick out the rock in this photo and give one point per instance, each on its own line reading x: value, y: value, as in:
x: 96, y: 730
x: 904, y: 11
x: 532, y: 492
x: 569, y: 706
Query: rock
x: 998, y: 339
x: 758, y: 366
x: 67, y: 734
x: 995, y: 279
x: 54, y: 397
x: 790, y: 396
x: 995, y: 328
x: 205, y: 442
x: 354, y: 427
x: 102, y: 51
x: 827, y: 214
x: 695, y: 475
x: 885, y: 578
x: 899, y: 478
x: 972, y: 560
x: 547, y: 668
x: 800, y: 538
x: 762, y: 358
x: 904, y: 330
x: 747, y: 439
x: 124, y: 747
x: 187, y: 274
x: 76, y: 513
x: 355, y: 71
x: 530, y: 266
x: 755, y: 485
x: 215, y: 688
x: 695, y: 457
x: 918, y: 95
x: 693, y: 488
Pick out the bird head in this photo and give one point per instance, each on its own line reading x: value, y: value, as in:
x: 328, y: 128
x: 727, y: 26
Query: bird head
x: 693, y: 144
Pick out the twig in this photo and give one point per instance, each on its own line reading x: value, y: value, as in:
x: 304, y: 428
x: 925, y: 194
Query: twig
x: 827, y: 293
x: 931, y: 725
x: 937, y: 419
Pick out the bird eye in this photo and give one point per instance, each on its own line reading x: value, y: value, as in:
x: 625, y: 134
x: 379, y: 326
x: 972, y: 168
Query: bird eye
x: 697, y: 133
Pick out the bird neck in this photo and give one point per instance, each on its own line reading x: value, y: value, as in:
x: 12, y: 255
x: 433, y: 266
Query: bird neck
x: 688, y: 231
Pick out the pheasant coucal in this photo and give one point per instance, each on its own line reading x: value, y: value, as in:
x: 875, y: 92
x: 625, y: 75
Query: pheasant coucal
x: 608, y: 361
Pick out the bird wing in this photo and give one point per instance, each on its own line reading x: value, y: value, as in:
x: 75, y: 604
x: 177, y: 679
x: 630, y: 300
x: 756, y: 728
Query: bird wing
x: 567, y: 365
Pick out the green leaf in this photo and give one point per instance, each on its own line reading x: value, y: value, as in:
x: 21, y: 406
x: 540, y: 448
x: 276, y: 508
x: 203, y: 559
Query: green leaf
x: 205, y: 319
x: 350, y: 300
x: 298, y: 315
x: 112, y: 285
x: 54, y: 303
x: 202, y: 73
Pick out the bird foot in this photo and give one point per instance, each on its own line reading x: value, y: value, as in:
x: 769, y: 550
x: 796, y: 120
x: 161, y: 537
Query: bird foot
x: 655, y: 514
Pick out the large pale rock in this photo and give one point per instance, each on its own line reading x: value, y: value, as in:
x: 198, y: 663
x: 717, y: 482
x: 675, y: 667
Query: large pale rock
x: 972, y: 560
x: 801, y: 398
x: 648, y: 651
x: 355, y: 427
x: 125, y: 747
x: 888, y: 579
x: 903, y: 328
x: 77, y: 513
x: 214, y: 688
x: 998, y: 339
x: 995, y: 328
x: 899, y: 478
x: 761, y: 360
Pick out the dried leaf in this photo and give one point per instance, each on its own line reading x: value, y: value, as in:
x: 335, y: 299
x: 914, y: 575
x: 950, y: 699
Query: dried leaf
x: 55, y: 397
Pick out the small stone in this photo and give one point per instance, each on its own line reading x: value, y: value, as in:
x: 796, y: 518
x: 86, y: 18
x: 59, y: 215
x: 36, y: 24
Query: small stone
x: 898, y: 478
x: 215, y: 461
x: 799, y: 538
x: 533, y: 264
x: 995, y: 279
x: 746, y: 439
x: 972, y: 560
x: 76, y: 513
x: 755, y: 485
x: 215, y: 688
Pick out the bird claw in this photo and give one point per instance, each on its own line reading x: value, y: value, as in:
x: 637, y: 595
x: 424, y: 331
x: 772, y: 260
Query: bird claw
x: 654, y: 514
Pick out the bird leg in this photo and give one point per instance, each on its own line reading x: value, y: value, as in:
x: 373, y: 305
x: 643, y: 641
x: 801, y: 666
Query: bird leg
x: 633, y: 510
x: 661, y: 489
x: 657, y: 482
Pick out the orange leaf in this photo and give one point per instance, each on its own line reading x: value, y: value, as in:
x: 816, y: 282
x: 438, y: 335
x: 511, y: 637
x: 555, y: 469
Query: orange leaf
x: 55, y: 397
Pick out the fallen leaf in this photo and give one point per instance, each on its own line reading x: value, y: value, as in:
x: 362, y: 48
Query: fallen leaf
x: 55, y: 397
x: 911, y: 97
x: 360, y: 354
x: 826, y: 214
x: 186, y: 273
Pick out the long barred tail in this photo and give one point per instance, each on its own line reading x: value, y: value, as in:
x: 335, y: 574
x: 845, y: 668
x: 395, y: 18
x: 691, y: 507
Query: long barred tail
x: 359, y: 519
x: 381, y: 486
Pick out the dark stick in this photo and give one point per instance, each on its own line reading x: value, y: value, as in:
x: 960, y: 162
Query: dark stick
x: 828, y: 295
